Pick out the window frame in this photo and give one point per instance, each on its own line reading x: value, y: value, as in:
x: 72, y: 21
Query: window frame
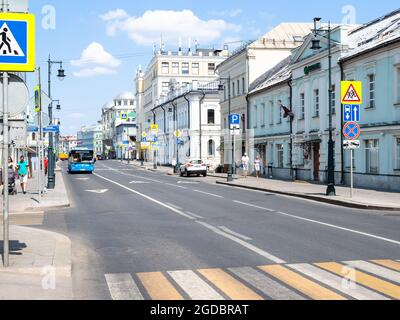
x: 185, y: 68
x: 211, y: 123
x: 163, y: 66
x: 280, y: 156
x: 195, y: 68
x: 211, y: 72
x: 371, y: 92
x: 368, y: 155
x: 316, y: 103
x: 302, y: 106
x: 175, y: 66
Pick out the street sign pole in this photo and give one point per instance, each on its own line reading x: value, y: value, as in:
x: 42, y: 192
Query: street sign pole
x: 6, y: 228
x: 39, y: 152
x: 351, y: 174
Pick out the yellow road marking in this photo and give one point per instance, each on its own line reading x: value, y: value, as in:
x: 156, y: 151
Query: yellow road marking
x: 229, y: 285
x: 302, y: 284
x: 389, y: 264
x: 377, y: 284
x: 158, y: 287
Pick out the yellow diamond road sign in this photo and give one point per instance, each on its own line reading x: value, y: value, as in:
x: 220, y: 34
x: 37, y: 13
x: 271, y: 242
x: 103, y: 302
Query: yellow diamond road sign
x: 351, y: 92
x: 17, y: 42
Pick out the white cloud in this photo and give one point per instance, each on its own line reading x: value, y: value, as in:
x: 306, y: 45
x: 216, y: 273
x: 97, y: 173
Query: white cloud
x: 94, y: 61
x: 147, y: 29
x: 114, y: 15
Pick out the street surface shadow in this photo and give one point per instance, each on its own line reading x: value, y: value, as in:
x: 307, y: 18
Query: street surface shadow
x: 16, y: 247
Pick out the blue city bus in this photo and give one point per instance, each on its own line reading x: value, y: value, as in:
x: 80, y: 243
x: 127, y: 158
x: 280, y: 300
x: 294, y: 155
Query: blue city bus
x: 81, y: 160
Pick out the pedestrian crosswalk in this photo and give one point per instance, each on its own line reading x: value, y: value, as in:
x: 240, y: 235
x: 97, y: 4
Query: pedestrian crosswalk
x: 347, y: 280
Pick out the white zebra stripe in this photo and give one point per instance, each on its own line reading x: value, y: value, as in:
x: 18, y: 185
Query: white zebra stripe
x: 375, y: 269
x: 353, y: 290
x: 266, y: 285
x: 123, y: 287
x: 194, y: 286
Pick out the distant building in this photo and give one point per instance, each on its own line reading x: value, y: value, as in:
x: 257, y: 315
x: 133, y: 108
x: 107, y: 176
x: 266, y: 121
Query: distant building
x: 91, y: 137
x: 247, y: 64
x: 67, y: 143
x: 172, y: 69
x: 189, y: 123
x: 119, y: 127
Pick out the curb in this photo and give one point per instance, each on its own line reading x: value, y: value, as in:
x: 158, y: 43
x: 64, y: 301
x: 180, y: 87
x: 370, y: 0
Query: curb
x: 315, y: 198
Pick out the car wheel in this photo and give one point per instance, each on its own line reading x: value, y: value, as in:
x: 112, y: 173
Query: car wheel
x: 181, y: 173
x: 187, y: 174
x: 205, y: 175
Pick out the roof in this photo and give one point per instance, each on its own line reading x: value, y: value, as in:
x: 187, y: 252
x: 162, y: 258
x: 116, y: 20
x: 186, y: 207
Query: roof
x: 277, y: 74
x: 125, y: 96
x: 374, y: 34
x: 288, y: 35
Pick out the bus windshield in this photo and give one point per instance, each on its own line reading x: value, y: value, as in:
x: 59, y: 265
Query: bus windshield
x: 81, y: 156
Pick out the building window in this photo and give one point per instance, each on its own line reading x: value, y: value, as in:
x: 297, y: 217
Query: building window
x: 397, y: 153
x: 398, y: 85
x: 302, y: 106
x: 211, y: 117
x: 195, y: 68
x: 279, y: 153
x: 271, y: 113
x: 333, y: 99
x: 225, y: 98
x: 255, y: 124
x: 233, y: 89
x: 263, y: 114
x: 316, y: 103
x: 165, y: 68
x: 238, y: 88
x: 243, y: 85
x: 165, y: 87
x: 175, y: 67
x: 225, y: 122
x: 211, y: 148
x: 371, y: 91
x: 211, y: 69
x: 185, y: 68
x: 280, y: 115
x: 372, y: 156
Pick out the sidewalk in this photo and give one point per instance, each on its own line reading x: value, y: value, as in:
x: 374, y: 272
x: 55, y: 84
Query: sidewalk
x: 363, y: 198
x: 38, y: 258
x: 56, y: 198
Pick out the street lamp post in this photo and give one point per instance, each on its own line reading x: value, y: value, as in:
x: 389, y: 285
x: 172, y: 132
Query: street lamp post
x: 331, y: 191
x: 230, y: 163
x: 61, y: 75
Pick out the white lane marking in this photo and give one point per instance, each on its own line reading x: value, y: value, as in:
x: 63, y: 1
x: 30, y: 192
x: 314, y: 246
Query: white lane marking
x: 173, y: 206
x: 188, y: 182
x: 242, y: 243
x: 82, y: 179
x: 216, y: 230
x: 122, y: 287
x: 101, y: 191
x: 340, y: 284
x: 194, y: 286
x: 209, y: 194
x: 147, y: 197
x: 175, y: 186
x: 375, y: 269
x: 227, y: 230
x: 322, y: 223
x: 138, y: 182
x: 135, y: 176
x: 254, y: 206
x: 266, y: 285
x: 194, y: 215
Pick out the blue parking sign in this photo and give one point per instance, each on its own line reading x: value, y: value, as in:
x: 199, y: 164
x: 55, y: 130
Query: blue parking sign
x: 234, y: 119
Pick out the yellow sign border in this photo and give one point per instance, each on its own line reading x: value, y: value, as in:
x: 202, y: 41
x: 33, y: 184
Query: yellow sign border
x: 31, y: 43
x: 345, y: 85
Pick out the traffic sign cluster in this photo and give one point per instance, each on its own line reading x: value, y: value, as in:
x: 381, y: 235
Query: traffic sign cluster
x: 351, y: 100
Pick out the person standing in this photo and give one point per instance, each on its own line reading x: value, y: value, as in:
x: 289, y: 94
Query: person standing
x: 46, y: 165
x: 245, y: 164
x: 257, y: 166
x: 23, y: 173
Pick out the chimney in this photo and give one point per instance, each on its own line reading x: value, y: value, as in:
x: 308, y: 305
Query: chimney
x: 180, y: 46
x: 190, y: 46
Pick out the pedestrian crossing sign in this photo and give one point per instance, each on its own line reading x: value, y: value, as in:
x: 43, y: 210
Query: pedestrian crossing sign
x: 17, y: 42
x: 351, y: 92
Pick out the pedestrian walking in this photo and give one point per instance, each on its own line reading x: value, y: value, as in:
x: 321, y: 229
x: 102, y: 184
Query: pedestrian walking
x: 257, y: 166
x: 23, y: 173
x: 245, y: 164
x: 46, y: 165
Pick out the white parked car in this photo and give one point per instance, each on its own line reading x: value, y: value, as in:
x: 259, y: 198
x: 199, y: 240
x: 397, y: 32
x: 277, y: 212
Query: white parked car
x: 193, y: 167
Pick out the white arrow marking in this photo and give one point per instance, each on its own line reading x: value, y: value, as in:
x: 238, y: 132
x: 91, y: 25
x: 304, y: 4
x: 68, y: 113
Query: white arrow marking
x: 97, y: 191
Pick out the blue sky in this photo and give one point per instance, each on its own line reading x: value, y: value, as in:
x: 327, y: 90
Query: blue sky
x: 102, y: 42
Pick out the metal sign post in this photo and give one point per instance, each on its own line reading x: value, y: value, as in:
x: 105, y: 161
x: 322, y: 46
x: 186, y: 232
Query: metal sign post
x: 5, y: 172
x: 351, y: 174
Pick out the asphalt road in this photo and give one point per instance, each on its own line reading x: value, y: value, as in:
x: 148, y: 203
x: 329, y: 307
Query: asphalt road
x: 127, y: 223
